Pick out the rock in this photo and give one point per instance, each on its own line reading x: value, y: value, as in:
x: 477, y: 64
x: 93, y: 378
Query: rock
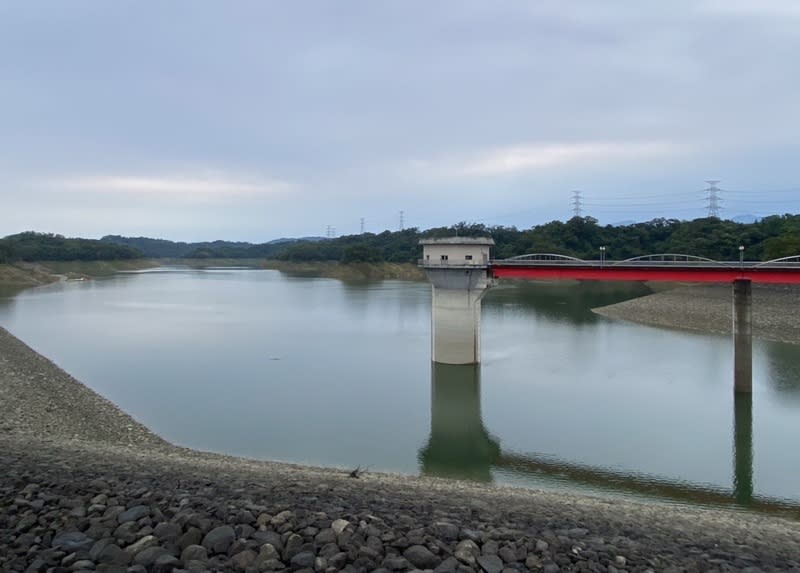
x: 541, y: 546
x: 325, y: 536
x: 467, y: 552
x: 282, y: 518
x: 293, y: 545
x: 268, y: 551
x: 507, y: 554
x: 339, y: 525
x: 271, y: 565
x: 127, y: 532
x: 421, y: 557
x: 445, y: 530
x: 82, y: 564
x: 303, y: 560
x: 337, y: 561
x: 192, y: 537
x: 97, y: 548
x: 148, y: 557
x: 449, y: 565
x: 490, y: 563
x: 166, y: 530
x: 114, y: 555
x: 164, y: 564
x: 194, y: 553
x: 620, y: 560
x: 219, y: 539
x: 395, y: 563
x: 243, y: 559
x: 491, y: 547
x: 550, y: 568
x: 72, y: 541
x: 142, y: 544
x: 135, y: 513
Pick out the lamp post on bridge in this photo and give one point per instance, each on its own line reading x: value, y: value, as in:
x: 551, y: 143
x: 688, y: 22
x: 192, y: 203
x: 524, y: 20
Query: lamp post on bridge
x: 741, y: 256
x: 602, y: 256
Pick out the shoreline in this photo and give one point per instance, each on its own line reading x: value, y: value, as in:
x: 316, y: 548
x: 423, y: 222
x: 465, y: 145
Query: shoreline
x: 77, y: 467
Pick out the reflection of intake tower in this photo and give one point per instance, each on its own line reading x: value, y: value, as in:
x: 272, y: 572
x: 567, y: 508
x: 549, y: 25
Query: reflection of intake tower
x: 458, y: 268
x: 459, y: 446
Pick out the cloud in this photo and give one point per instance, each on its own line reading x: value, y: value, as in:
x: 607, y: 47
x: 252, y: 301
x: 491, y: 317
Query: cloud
x: 520, y: 159
x: 210, y: 184
x: 766, y: 8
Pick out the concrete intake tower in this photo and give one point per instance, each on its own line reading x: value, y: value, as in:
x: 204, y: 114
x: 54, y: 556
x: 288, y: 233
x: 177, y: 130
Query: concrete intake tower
x: 458, y: 269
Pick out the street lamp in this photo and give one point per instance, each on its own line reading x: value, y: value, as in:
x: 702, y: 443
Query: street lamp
x: 741, y: 255
x: 602, y: 256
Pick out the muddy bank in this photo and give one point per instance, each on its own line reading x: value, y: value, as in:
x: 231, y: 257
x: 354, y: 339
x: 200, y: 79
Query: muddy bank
x: 350, y: 272
x: 18, y: 276
x: 84, y: 487
x: 708, y: 308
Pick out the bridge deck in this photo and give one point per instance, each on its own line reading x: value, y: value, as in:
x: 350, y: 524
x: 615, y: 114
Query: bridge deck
x: 673, y: 273
x: 645, y: 271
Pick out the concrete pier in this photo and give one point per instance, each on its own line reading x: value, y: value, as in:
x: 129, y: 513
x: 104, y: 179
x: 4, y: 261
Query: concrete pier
x: 742, y: 336
x: 458, y: 269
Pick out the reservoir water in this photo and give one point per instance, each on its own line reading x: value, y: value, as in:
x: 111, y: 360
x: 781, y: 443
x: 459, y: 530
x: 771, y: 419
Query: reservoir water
x: 318, y: 371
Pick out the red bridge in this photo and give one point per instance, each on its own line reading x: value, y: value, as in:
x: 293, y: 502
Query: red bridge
x: 662, y: 267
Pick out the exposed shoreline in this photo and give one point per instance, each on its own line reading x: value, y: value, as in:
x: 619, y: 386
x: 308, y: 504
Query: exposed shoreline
x: 707, y: 308
x: 73, y: 462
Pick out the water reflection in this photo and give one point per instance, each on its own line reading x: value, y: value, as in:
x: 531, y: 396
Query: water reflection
x: 784, y: 370
x: 571, y: 302
x: 459, y: 446
x: 743, y: 447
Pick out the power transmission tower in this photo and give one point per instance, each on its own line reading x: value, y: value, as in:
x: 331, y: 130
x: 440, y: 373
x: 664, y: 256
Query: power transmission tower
x: 362, y: 225
x: 330, y: 232
x: 713, y: 198
x: 402, y: 216
x: 577, y: 203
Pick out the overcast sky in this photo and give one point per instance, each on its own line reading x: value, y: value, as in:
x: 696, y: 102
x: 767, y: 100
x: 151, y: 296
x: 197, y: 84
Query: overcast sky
x: 194, y: 120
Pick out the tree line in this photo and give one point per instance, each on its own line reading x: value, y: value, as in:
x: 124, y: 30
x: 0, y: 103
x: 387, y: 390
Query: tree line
x: 31, y: 246
x: 769, y: 238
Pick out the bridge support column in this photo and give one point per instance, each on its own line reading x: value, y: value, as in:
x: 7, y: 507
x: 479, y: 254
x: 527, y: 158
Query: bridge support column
x: 742, y: 336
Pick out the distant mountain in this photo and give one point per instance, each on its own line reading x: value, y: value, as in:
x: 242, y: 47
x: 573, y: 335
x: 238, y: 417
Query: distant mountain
x: 294, y: 240
x: 165, y: 249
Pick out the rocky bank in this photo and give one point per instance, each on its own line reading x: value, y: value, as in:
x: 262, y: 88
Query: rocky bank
x: 84, y: 487
x: 708, y: 308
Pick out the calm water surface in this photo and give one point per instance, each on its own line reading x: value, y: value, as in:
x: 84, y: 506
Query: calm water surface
x: 310, y: 370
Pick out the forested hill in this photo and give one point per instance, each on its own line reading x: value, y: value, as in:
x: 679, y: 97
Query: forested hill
x: 771, y: 237
x: 30, y: 246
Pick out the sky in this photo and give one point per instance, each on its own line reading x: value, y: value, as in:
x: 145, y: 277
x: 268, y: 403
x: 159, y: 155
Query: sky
x: 252, y: 120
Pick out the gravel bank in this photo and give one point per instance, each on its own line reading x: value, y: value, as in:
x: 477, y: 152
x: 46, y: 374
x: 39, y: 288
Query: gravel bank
x: 708, y: 308
x: 84, y: 487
